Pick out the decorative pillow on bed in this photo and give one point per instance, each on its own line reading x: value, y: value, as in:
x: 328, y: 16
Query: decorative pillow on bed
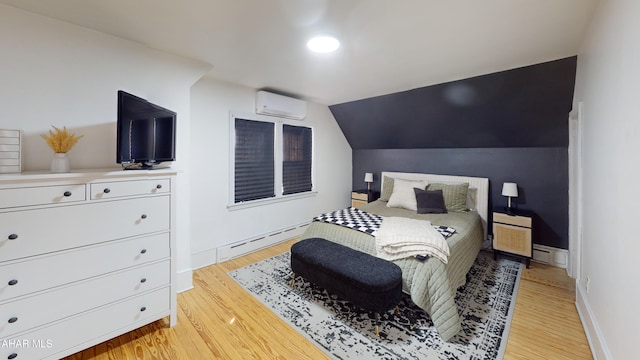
x: 430, y: 201
x: 472, y: 196
x: 403, y: 195
x: 455, y: 195
x: 387, y: 188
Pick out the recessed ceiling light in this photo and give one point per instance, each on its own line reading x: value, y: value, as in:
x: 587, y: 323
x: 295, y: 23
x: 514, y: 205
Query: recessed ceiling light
x: 323, y: 44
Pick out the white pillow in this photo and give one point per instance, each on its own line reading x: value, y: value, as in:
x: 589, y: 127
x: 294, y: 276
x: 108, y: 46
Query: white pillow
x: 403, y: 195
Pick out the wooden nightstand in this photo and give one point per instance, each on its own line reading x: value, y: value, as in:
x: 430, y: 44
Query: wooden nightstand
x: 512, y: 232
x: 361, y: 197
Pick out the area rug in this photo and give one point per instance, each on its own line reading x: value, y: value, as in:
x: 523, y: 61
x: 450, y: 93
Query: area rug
x: 344, y: 331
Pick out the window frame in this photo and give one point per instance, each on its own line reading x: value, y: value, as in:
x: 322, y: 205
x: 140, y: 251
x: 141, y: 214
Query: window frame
x: 278, y: 159
x: 297, y: 159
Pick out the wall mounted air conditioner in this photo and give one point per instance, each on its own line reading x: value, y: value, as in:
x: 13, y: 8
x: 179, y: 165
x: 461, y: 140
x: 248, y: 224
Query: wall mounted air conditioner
x: 277, y: 105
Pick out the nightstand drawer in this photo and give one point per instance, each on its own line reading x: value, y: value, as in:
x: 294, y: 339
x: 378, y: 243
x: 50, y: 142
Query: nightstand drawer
x: 512, y: 239
x: 359, y: 196
x: 516, y: 220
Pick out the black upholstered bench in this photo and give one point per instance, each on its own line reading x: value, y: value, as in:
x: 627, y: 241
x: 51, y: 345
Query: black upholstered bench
x: 369, y: 282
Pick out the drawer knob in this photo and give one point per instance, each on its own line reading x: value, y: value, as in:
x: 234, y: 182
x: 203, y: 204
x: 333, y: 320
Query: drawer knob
x: 143, y: 251
x: 67, y: 193
x: 144, y: 216
x: 12, y: 356
x: 159, y: 186
x: 143, y: 280
x: 106, y: 190
x: 13, y: 236
x: 13, y: 282
x: 144, y: 308
x: 12, y: 320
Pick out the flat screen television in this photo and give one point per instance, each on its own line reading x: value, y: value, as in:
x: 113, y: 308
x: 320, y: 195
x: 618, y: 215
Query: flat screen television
x: 146, y: 133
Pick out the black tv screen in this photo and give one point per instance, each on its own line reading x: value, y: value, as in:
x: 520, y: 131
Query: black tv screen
x: 146, y: 133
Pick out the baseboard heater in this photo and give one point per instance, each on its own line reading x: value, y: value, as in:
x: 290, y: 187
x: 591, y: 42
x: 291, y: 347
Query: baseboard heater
x: 244, y: 247
x: 550, y: 255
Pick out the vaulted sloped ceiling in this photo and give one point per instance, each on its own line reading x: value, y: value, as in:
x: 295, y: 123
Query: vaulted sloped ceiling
x: 387, y: 46
x: 523, y: 107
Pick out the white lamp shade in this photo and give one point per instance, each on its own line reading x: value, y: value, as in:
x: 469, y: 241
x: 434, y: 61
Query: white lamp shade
x: 510, y: 189
x: 368, y: 177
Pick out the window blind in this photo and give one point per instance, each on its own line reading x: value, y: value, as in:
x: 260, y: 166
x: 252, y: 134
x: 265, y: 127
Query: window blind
x: 296, y: 165
x: 254, y: 160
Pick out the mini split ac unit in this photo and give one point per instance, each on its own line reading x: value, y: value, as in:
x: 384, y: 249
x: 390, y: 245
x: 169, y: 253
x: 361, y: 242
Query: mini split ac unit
x: 277, y: 105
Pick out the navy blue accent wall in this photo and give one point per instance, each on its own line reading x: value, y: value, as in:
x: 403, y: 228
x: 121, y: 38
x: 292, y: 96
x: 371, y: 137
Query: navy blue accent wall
x: 541, y: 175
x: 507, y: 126
x: 524, y: 107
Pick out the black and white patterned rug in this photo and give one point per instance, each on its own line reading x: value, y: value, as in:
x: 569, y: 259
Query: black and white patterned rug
x: 343, y: 331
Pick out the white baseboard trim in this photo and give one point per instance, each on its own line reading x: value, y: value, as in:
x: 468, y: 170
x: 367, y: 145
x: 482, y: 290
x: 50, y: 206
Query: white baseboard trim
x: 598, y: 345
x: 204, y: 258
x: 231, y: 251
x: 184, y: 280
x: 550, y: 255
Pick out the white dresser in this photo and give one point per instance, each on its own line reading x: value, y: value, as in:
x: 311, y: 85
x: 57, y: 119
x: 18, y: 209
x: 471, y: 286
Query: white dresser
x: 84, y: 257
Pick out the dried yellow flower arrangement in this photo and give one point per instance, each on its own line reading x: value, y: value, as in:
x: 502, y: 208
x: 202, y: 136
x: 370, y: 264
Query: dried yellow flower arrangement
x: 61, y: 141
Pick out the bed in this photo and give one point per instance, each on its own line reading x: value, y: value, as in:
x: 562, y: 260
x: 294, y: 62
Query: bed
x: 431, y: 283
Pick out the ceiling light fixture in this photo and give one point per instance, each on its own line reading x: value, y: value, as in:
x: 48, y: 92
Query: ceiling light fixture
x: 323, y: 44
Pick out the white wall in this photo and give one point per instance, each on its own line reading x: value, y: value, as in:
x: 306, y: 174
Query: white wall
x: 212, y: 223
x: 608, y: 82
x: 55, y: 73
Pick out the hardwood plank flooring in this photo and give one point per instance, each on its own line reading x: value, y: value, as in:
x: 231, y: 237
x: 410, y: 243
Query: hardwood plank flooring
x: 219, y: 320
x: 545, y: 321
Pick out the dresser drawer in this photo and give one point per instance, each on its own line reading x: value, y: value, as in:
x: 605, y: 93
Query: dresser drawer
x: 79, y: 225
x: 45, y: 272
x: 41, y: 195
x: 25, y: 314
x: 71, y: 335
x: 106, y: 190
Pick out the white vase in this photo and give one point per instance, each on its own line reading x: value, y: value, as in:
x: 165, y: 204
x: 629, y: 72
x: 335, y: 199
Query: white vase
x: 60, y: 163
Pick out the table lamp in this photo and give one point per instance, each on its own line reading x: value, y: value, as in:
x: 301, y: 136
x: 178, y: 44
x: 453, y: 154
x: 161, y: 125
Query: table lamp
x: 510, y: 190
x: 368, y: 178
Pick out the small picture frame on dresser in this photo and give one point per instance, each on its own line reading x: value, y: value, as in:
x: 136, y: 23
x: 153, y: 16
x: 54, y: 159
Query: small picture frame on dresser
x: 10, y: 151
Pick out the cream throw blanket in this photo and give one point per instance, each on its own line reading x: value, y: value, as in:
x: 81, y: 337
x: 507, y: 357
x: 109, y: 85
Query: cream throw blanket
x: 400, y: 237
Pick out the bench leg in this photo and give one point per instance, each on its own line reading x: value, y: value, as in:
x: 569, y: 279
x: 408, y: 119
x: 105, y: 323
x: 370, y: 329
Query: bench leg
x: 292, y: 282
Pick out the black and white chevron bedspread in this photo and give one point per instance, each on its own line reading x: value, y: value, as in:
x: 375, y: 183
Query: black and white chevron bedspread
x: 365, y: 222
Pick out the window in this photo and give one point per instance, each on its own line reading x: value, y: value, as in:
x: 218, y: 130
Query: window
x: 271, y: 159
x: 296, y: 159
x: 254, y: 160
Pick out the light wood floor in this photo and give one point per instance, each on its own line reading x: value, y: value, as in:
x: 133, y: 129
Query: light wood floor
x: 219, y: 320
